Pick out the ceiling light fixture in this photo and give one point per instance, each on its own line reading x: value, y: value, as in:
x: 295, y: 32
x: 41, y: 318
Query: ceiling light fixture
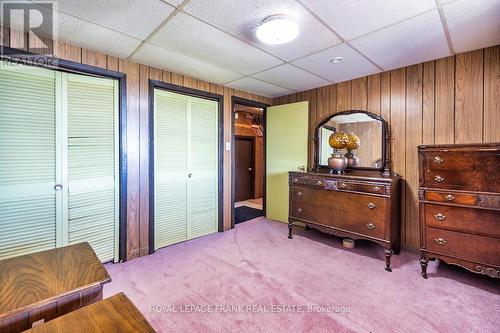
x: 277, y: 29
x: 336, y: 60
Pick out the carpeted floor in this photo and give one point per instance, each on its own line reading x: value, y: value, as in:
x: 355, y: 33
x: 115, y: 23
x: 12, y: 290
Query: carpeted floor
x: 256, y: 265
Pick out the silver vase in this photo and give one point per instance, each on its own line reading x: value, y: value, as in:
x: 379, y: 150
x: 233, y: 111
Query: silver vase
x: 337, y: 163
x: 352, y: 159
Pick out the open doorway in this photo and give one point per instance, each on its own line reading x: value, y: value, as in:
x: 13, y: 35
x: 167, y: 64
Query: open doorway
x: 248, y: 160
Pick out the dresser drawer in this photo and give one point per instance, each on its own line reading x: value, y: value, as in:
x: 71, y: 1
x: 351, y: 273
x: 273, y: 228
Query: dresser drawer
x: 305, y: 179
x: 452, y: 180
x: 469, y: 220
x: 358, y: 223
x: 451, y: 197
x: 369, y: 205
x: 308, y: 212
x: 466, y: 246
x: 451, y: 161
x: 350, y: 186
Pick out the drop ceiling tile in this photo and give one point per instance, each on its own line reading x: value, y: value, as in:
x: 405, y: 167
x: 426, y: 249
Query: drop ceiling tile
x: 159, y: 57
x: 132, y: 17
x: 354, y: 64
x: 352, y: 19
x: 259, y: 87
x: 291, y: 77
x: 241, y: 18
x: 94, y: 37
x: 191, y: 37
x: 473, y: 24
x: 417, y: 40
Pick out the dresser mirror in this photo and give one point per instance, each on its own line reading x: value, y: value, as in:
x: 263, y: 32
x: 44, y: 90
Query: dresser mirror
x: 365, y: 131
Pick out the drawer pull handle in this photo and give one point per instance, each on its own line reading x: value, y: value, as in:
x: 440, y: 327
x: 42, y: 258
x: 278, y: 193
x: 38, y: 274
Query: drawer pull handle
x: 376, y: 188
x: 440, y: 217
x: 449, y: 197
x: 440, y: 241
x: 371, y: 205
x: 299, y: 210
x: 299, y: 194
x: 371, y: 226
x: 320, y: 182
x: 295, y: 180
x: 439, y: 179
x: 438, y: 160
x: 343, y: 186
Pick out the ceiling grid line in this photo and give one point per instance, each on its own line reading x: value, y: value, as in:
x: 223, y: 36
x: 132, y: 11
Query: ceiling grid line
x: 336, y: 33
x: 445, y: 27
x: 86, y: 20
x: 160, y: 26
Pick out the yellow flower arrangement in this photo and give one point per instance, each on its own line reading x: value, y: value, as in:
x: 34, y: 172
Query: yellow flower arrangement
x: 353, y: 142
x: 338, y: 140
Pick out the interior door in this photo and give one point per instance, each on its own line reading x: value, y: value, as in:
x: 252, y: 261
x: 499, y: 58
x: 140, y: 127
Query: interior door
x: 244, y: 165
x: 92, y: 211
x: 185, y: 167
x: 28, y: 160
x: 286, y: 150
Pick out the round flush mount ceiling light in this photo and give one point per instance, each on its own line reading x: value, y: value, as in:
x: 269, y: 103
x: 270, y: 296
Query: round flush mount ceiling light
x: 277, y: 29
x: 336, y: 60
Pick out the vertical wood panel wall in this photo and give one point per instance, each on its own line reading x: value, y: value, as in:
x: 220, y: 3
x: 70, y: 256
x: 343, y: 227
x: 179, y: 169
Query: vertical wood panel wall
x: 450, y: 100
x: 138, y: 76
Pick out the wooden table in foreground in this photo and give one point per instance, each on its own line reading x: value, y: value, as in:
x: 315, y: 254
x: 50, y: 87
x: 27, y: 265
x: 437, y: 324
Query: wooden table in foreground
x: 114, y: 314
x: 45, y: 285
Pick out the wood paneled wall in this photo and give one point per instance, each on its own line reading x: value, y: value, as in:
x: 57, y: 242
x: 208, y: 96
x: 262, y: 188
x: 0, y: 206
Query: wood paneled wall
x: 138, y: 76
x: 450, y: 100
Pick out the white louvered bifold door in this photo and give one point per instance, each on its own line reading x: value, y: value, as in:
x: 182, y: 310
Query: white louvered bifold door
x: 186, y: 167
x: 203, y: 167
x: 170, y: 151
x: 27, y: 160
x: 92, y: 168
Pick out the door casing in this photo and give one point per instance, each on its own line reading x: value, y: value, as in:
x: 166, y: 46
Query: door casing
x: 246, y: 102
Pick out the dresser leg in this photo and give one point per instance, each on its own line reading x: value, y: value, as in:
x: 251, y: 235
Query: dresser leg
x: 290, y: 226
x: 423, y: 263
x: 388, y: 254
x: 307, y: 227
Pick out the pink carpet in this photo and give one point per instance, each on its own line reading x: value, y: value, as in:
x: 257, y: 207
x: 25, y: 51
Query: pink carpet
x: 256, y: 265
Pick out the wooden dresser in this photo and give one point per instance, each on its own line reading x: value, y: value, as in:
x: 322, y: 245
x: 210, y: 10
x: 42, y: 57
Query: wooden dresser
x: 460, y: 206
x: 45, y: 285
x: 359, y: 204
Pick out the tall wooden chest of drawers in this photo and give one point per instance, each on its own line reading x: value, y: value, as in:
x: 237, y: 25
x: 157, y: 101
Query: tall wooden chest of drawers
x: 360, y: 205
x: 459, y: 198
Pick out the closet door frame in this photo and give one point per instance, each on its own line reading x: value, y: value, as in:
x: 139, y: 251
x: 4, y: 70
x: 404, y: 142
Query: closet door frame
x: 62, y: 65
x: 155, y: 84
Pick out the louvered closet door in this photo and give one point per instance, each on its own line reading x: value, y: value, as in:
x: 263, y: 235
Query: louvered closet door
x: 170, y: 151
x: 92, y: 167
x: 186, y: 167
x: 27, y: 160
x: 204, y: 167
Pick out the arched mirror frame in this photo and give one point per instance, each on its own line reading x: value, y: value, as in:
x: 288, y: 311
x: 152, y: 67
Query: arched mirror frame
x: 385, y: 141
